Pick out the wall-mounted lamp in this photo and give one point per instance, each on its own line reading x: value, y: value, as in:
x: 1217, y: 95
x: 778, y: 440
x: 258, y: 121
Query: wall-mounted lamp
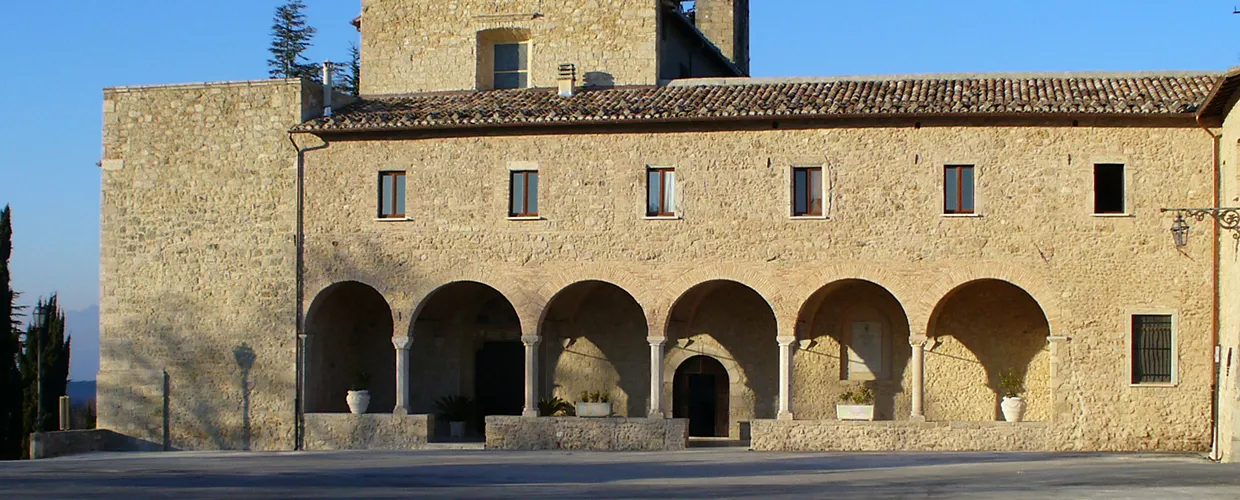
x: 1227, y: 218
x: 568, y: 342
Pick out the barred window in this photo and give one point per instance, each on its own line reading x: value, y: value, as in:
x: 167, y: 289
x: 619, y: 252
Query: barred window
x: 1152, y: 349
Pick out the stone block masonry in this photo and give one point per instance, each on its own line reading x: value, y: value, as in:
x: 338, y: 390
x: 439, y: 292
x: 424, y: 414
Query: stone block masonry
x: 344, y: 431
x: 587, y: 434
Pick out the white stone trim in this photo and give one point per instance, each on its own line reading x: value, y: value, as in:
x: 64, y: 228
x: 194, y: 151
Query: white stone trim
x: 940, y: 183
x: 1091, y: 162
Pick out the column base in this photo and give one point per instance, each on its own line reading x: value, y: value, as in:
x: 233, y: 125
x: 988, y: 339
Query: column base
x: 401, y: 412
x: 917, y: 418
x: 785, y: 416
x: 656, y: 415
x: 529, y: 413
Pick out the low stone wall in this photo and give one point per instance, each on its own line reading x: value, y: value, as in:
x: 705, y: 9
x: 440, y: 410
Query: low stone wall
x: 835, y: 435
x: 59, y: 444
x: 372, y: 431
x: 592, y: 434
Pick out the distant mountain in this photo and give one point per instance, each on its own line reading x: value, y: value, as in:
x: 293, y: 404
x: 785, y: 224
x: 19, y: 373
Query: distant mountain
x: 83, y: 327
x: 80, y: 391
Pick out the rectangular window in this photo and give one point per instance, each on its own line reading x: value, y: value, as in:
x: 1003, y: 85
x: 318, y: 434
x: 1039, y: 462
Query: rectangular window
x: 1152, y: 349
x: 512, y: 65
x: 1109, y: 189
x: 958, y: 189
x: 661, y: 192
x: 523, y: 200
x: 391, y: 195
x: 806, y: 191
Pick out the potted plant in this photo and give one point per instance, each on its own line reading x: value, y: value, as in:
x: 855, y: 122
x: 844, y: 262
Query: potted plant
x: 456, y: 410
x: 594, y: 405
x: 1012, y: 385
x: 359, y: 395
x: 856, y: 405
x: 556, y: 407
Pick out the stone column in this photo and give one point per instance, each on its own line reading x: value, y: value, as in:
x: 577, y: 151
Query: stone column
x: 786, y: 344
x: 1061, y: 411
x: 531, y: 374
x: 919, y: 380
x: 656, y: 377
x: 402, y: 345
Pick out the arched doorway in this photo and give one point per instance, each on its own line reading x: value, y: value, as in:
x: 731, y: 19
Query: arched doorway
x: 349, y: 328
x: 734, y: 324
x: 978, y: 331
x: 467, y: 342
x: 700, y: 393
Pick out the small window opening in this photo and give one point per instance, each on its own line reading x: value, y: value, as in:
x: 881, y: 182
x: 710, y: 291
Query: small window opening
x: 512, y: 65
x: 523, y: 194
x: 661, y: 192
x: 1152, y: 349
x: 391, y: 195
x: 1109, y: 189
x: 807, y: 191
x: 958, y: 189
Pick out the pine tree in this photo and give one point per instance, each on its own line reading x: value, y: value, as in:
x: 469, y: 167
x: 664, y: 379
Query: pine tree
x: 290, y: 37
x: 351, y: 74
x: 10, y: 377
x: 50, y: 371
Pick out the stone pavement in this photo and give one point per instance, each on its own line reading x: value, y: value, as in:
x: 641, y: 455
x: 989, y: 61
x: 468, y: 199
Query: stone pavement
x: 702, y: 473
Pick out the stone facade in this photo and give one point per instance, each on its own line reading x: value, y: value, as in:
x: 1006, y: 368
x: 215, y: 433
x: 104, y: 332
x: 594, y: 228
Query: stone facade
x: 342, y: 431
x: 205, y: 278
x: 587, y: 434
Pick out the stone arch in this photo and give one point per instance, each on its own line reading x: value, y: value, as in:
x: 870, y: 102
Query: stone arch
x: 467, y: 341
x: 678, y: 355
x: 734, y: 323
x: 349, y: 332
x: 766, y: 285
x: 858, y: 334
x: 977, y: 331
x: 595, y: 341
x: 527, y: 305
x: 921, y: 310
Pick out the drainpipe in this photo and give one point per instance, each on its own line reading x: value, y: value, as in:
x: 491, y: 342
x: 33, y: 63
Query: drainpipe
x: 1215, y: 450
x: 299, y: 399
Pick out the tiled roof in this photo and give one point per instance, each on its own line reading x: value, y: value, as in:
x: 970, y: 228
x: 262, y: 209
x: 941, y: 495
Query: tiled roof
x: 743, y: 99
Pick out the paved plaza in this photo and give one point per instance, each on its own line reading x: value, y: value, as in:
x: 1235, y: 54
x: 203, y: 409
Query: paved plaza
x: 702, y: 473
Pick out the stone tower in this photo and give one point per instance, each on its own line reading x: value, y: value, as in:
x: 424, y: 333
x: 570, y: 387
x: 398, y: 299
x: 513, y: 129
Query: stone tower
x: 726, y: 23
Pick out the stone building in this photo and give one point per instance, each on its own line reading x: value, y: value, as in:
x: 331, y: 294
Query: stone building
x: 540, y: 198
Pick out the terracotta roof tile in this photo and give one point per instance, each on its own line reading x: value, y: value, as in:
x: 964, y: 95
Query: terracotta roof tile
x: 1136, y: 95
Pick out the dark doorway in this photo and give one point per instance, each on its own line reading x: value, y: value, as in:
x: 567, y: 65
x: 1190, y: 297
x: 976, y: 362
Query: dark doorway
x: 700, y: 394
x: 499, y: 380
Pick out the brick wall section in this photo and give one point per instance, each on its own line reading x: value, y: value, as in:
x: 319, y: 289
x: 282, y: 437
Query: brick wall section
x: 417, y: 46
x: 198, y: 262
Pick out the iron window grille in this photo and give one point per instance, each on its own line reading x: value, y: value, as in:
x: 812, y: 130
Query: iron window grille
x: 1152, y: 349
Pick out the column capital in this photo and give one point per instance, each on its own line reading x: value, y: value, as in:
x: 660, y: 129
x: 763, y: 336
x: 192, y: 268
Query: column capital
x: 531, y: 339
x: 402, y: 343
x: 656, y: 341
x: 786, y: 340
x: 918, y: 342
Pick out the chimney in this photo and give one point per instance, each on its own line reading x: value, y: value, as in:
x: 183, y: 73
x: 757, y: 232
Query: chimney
x: 327, y: 88
x: 726, y: 24
x: 567, y: 80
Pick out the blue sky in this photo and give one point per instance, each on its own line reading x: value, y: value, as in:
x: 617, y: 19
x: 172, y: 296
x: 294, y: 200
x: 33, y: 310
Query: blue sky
x: 60, y: 54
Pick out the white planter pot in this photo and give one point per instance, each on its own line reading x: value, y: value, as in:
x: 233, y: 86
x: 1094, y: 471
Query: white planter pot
x: 456, y: 429
x: 594, y: 410
x: 1014, y: 409
x: 854, y: 412
x: 358, y: 401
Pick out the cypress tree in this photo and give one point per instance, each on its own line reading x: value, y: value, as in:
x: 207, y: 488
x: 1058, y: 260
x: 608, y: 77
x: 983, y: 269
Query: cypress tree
x: 51, y: 372
x: 10, y: 377
x: 290, y: 37
x: 351, y: 76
